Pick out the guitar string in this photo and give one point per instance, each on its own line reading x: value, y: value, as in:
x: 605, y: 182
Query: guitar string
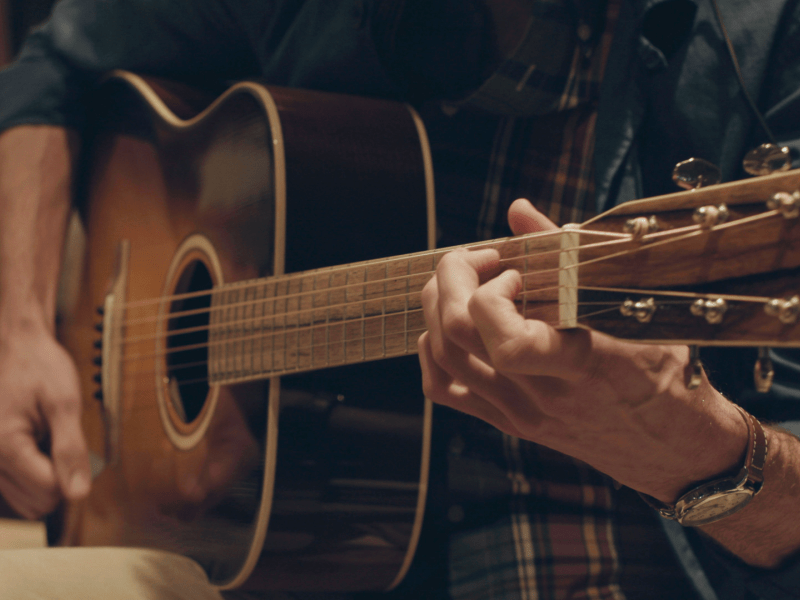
x: 298, y: 329
x: 618, y: 238
x: 298, y: 278
x: 524, y: 296
x: 691, y: 231
x: 609, y: 307
x: 359, y: 266
x: 271, y: 318
x: 304, y: 354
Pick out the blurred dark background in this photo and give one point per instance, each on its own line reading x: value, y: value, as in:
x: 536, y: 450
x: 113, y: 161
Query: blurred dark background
x: 16, y: 19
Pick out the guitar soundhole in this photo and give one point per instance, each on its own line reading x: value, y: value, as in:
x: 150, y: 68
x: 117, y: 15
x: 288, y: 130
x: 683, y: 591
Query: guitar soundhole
x: 187, y: 342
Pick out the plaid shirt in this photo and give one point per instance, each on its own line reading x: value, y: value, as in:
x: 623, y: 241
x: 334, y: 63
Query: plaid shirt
x: 529, y: 523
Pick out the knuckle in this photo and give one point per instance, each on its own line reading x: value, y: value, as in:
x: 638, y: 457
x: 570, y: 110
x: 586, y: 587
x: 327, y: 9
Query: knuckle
x: 450, y: 258
x: 505, y: 357
x: 481, y: 297
x: 508, y: 356
x: 457, y: 324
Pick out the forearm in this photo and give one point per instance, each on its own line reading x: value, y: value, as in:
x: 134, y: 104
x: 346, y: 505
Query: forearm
x: 36, y: 165
x: 767, y: 531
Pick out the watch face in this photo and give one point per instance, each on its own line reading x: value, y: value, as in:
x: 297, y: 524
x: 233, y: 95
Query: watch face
x: 714, y: 507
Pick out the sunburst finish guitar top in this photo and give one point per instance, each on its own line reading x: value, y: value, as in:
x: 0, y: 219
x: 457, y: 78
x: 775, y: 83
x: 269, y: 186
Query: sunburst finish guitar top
x: 312, y: 482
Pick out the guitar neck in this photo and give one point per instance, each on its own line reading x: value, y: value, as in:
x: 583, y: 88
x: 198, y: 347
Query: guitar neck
x: 341, y: 315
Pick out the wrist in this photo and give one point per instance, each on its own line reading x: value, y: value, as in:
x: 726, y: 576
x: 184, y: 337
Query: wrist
x: 18, y: 316
x: 715, y: 448
x: 725, y: 495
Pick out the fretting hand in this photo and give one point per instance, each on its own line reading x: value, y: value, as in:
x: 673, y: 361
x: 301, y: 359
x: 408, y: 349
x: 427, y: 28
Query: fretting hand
x: 623, y: 408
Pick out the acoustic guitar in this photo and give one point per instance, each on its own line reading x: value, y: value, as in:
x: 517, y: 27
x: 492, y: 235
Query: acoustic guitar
x: 252, y: 395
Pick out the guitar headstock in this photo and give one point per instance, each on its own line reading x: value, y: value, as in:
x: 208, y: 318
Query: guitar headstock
x: 715, y: 266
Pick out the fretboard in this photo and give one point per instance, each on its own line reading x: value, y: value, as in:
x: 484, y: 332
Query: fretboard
x: 334, y: 316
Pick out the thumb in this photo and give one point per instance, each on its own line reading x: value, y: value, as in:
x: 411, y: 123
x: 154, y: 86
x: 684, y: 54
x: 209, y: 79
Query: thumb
x: 68, y: 447
x: 524, y: 218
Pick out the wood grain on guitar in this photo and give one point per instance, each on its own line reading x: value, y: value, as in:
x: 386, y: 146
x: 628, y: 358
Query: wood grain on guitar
x: 269, y: 420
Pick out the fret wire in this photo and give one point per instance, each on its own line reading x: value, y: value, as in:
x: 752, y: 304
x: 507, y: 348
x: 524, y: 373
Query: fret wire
x: 293, y: 310
x: 344, y: 320
x: 328, y: 323
x: 408, y: 293
x: 234, y: 332
x: 243, y: 330
x: 260, y: 295
x: 252, y: 325
x: 238, y: 344
x: 245, y: 352
x: 222, y: 336
x: 238, y: 347
x: 313, y: 315
x: 363, y: 314
x: 383, y: 308
x: 285, y: 304
x: 272, y: 325
x: 227, y: 336
x: 255, y: 350
x: 212, y: 334
x: 299, y: 296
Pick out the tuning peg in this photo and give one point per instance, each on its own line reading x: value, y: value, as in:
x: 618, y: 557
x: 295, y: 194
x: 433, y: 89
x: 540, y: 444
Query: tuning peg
x: 763, y: 372
x: 767, y: 159
x: 695, y: 173
x: 696, y: 377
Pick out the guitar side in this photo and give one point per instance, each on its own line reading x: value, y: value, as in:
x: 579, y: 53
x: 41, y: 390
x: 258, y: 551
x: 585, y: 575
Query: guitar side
x: 312, y: 482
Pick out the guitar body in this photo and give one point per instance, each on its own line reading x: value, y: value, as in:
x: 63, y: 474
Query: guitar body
x: 301, y: 482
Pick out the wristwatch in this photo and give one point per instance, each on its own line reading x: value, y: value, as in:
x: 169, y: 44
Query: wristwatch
x: 719, y: 498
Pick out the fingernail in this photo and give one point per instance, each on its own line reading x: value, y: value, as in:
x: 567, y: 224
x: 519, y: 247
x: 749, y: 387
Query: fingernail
x: 79, y: 484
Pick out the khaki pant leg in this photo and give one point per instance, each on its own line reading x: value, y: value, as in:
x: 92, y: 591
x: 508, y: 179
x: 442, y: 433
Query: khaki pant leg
x: 101, y: 574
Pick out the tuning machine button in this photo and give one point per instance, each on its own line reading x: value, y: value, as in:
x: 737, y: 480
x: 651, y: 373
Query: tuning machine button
x: 696, y: 377
x: 785, y: 310
x: 642, y: 311
x: 709, y: 216
x: 763, y: 372
x: 787, y: 204
x: 767, y: 159
x: 713, y: 309
x: 641, y: 226
x: 696, y: 173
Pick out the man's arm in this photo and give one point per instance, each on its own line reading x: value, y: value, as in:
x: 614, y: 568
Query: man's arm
x: 40, y: 398
x: 623, y: 408
x: 58, y: 65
